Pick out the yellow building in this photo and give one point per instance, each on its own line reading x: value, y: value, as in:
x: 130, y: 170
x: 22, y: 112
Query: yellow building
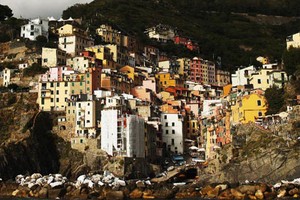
x: 248, y: 108
x: 164, y: 80
x: 129, y: 71
x: 52, y: 96
x: 103, y: 53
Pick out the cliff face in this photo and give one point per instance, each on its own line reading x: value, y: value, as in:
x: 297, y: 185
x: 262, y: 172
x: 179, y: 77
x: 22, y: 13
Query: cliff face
x: 28, y: 144
x: 259, y: 155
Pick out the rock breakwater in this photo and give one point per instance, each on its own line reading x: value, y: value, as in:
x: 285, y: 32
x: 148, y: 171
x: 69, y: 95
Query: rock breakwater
x: 108, y: 186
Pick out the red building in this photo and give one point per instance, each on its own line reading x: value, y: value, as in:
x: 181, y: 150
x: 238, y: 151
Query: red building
x: 186, y: 42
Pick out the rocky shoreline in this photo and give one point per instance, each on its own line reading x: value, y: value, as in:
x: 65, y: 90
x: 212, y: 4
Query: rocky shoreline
x: 107, y: 186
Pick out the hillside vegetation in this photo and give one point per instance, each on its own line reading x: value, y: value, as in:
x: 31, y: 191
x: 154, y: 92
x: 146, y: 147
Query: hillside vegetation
x: 221, y: 28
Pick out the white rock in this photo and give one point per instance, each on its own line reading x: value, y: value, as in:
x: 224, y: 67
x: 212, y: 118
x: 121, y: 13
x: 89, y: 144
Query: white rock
x: 121, y: 183
x: 27, y: 178
x: 36, y: 176
x: 277, y: 185
x: 19, y: 178
x: 41, y: 181
x: 89, y: 183
x: 148, y: 182
x: 97, y: 177
x: 58, y: 177
x: 81, y: 178
x: 55, y: 184
x: 30, y: 185
x: 296, y: 181
x: 0, y: 179
x: 50, y: 179
x: 100, y: 183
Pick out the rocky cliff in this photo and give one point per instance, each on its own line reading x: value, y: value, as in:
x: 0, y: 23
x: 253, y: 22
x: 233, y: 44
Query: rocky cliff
x: 258, y: 154
x: 28, y: 144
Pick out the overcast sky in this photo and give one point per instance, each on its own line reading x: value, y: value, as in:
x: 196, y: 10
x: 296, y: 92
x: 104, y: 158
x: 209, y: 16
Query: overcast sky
x: 39, y: 8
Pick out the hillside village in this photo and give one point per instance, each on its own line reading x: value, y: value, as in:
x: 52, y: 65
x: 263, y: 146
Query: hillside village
x: 135, y: 101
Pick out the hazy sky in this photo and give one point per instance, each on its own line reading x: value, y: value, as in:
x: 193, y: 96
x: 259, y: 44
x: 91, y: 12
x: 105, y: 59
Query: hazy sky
x: 39, y: 8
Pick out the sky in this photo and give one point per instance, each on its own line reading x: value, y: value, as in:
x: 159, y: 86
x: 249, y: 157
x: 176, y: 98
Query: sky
x: 39, y: 8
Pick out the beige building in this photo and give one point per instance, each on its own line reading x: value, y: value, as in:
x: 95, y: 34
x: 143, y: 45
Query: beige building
x: 73, y: 40
x: 119, y: 54
x: 53, y: 96
x: 52, y: 57
x: 293, y: 41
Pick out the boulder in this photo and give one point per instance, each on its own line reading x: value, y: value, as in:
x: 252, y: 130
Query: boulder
x: 259, y: 194
x: 226, y: 194
x: 237, y: 194
x: 247, y: 189
x: 281, y: 193
x: 43, y: 193
x: 136, y: 194
x: 115, y: 195
x: 213, y: 193
x: 206, y: 189
x: 294, y: 191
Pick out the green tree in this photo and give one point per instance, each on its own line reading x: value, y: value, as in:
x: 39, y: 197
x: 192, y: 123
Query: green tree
x: 275, y: 99
x: 291, y: 60
x: 5, y: 12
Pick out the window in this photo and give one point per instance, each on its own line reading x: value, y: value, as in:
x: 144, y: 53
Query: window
x: 166, y: 124
x: 57, y: 84
x: 173, y: 123
x: 165, y: 116
x: 51, y: 84
x: 87, y: 121
x: 259, y: 113
x: 172, y: 141
x: 267, y: 81
x: 66, y: 91
x: 258, y: 81
x: 167, y: 131
x: 57, y: 91
x: 259, y: 102
x: 51, y: 99
x: 66, y: 84
x: 57, y: 99
x: 45, y: 60
x: 173, y: 131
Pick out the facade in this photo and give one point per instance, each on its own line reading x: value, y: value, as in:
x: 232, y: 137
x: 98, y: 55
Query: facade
x: 52, y: 57
x: 293, y: 41
x: 35, y: 28
x: 249, y: 107
x: 119, y: 54
x: 242, y: 76
x: 164, y: 80
x: 73, y: 40
x: 172, y: 132
x: 260, y: 79
x: 222, y: 77
x: 161, y: 33
x: 7, y: 75
x: 103, y: 53
x: 122, y: 135
x: 278, y: 78
x: 202, y: 71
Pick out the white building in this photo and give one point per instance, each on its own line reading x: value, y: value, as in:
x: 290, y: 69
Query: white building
x: 122, y: 135
x: 7, y: 74
x: 293, y: 41
x: 35, y: 28
x: 23, y: 65
x: 172, y: 133
x: 242, y: 76
x: 278, y: 78
x: 85, y: 114
x: 52, y: 57
x: 73, y: 40
x: 161, y: 33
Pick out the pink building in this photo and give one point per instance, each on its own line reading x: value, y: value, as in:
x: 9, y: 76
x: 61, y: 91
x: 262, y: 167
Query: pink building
x: 141, y: 93
x: 56, y: 74
x: 150, y: 84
